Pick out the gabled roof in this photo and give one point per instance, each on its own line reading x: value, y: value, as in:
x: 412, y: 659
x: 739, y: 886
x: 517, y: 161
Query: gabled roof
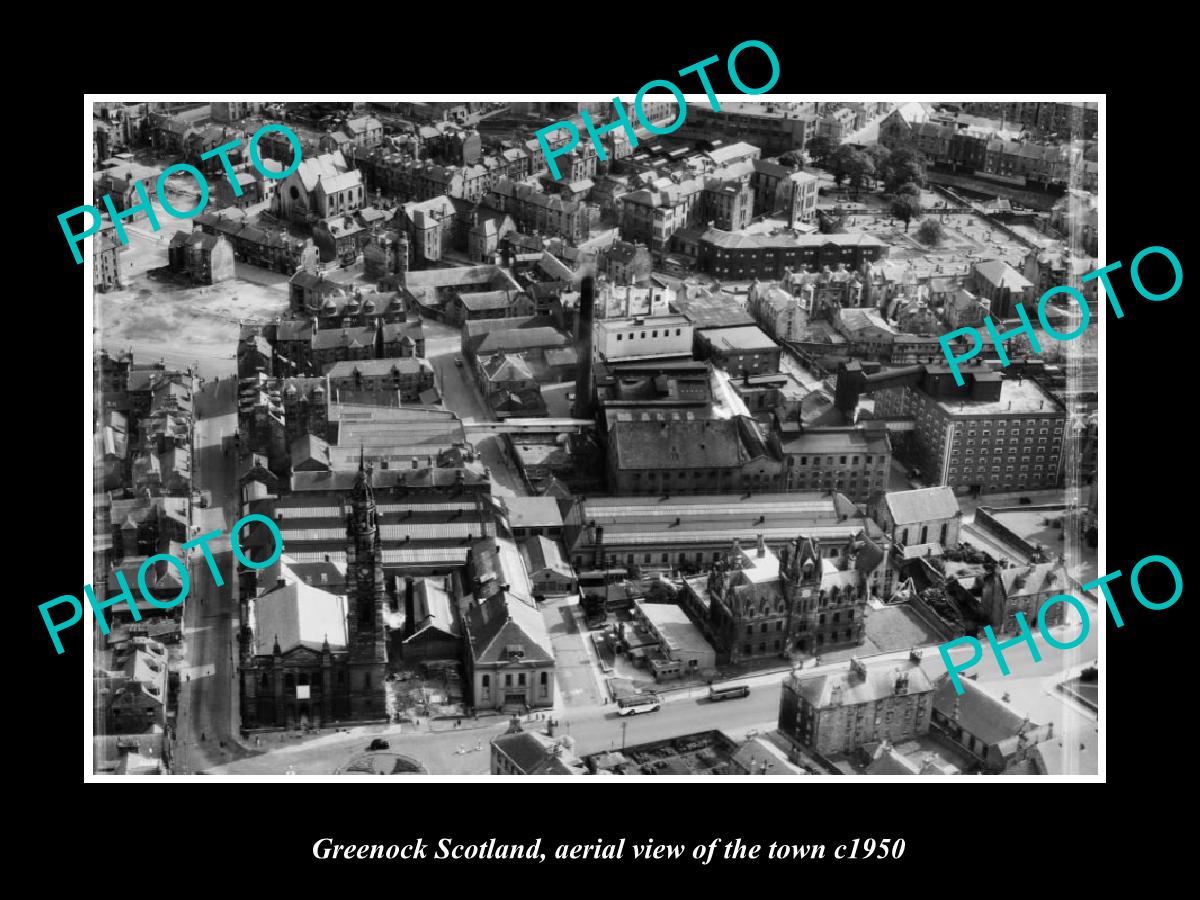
x: 924, y: 505
x: 501, y: 623
x: 880, y: 681
x: 507, y: 367
x: 432, y: 608
x: 978, y: 712
x: 1001, y: 274
x: 313, y: 169
x: 297, y: 615
x: 1035, y: 579
x: 542, y: 553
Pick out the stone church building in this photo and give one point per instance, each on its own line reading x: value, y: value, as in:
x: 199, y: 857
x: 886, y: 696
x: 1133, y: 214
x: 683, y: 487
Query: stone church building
x: 310, y: 657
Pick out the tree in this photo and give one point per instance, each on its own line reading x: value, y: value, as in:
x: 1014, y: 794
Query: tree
x: 907, y: 204
x: 904, y: 165
x: 930, y: 233
x: 791, y: 158
x: 820, y: 148
x: 880, y: 156
x: 862, y: 167
x: 853, y: 164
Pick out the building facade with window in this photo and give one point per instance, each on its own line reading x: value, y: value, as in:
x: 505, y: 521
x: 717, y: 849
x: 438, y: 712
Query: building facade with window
x: 760, y: 604
x: 690, y: 457
x: 836, y: 713
x: 694, y: 532
x: 743, y: 257
x: 855, y: 461
x: 510, y: 659
x: 643, y: 337
x: 925, y: 516
x: 1011, y: 443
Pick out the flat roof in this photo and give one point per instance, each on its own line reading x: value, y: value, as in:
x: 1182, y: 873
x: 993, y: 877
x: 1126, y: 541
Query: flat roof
x: 742, y: 337
x: 674, y: 626
x: 1016, y: 396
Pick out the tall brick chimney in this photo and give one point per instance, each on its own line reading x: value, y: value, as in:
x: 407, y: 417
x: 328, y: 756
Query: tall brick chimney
x: 583, y: 348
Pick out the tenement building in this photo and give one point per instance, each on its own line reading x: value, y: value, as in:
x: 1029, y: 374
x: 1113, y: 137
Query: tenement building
x: 838, y: 712
x: 744, y: 257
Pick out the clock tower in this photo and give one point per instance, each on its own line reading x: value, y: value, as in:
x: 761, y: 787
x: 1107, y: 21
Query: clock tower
x: 365, y: 598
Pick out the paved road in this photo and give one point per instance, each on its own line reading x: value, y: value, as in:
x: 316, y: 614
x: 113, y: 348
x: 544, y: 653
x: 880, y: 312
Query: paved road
x: 575, y: 666
x: 208, y: 713
x: 598, y: 728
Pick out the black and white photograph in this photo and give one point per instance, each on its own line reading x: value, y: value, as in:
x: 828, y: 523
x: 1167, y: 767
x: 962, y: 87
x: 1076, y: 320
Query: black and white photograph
x: 737, y: 434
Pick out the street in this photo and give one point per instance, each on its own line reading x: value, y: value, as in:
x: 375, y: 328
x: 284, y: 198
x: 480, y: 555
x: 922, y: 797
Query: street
x: 595, y: 728
x: 208, y: 714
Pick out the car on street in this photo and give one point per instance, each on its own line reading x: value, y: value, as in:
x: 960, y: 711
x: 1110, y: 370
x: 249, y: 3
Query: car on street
x: 732, y: 692
x: 458, y: 361
x: 379, y: 744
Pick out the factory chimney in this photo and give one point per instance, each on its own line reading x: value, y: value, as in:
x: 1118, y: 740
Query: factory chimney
x: 583, y: 348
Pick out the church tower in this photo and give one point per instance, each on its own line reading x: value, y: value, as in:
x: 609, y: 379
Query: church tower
x: 800, y: 576
x: 365, y: 629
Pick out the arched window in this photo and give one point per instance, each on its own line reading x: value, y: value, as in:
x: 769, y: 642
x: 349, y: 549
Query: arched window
x: 266, y: 680
x: 487, y: 681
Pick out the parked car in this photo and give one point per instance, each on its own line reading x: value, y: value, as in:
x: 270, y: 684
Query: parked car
x: 458, y: 361
x: 379, y: 744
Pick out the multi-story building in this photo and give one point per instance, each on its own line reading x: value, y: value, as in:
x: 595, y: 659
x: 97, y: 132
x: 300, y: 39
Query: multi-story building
x: 643, y: 337
x: 1064, y: 119
x: 205, y: 258
x: 995, y: 434
x: 520, y: 752
x: 836, y: 713
x: 651, y: 217
x: 534, y: 211
x: 408, y: 377
x: 695, y: 531
x: 270, y: 249
x: 743, y: 257
x: 364, y: 131
x: 744, y: 350
x: 775, y: 128
x: 779, y: 188
x: 124, y: 184
x: 106, y: 259
x: 1004, y: 592
x: 986, y: 728
x: 698, y: 457
x: 855, y: 460
x: 430, y: 227
x: 232, y: 111
x: 728, y: 205
x: 761, y: 604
